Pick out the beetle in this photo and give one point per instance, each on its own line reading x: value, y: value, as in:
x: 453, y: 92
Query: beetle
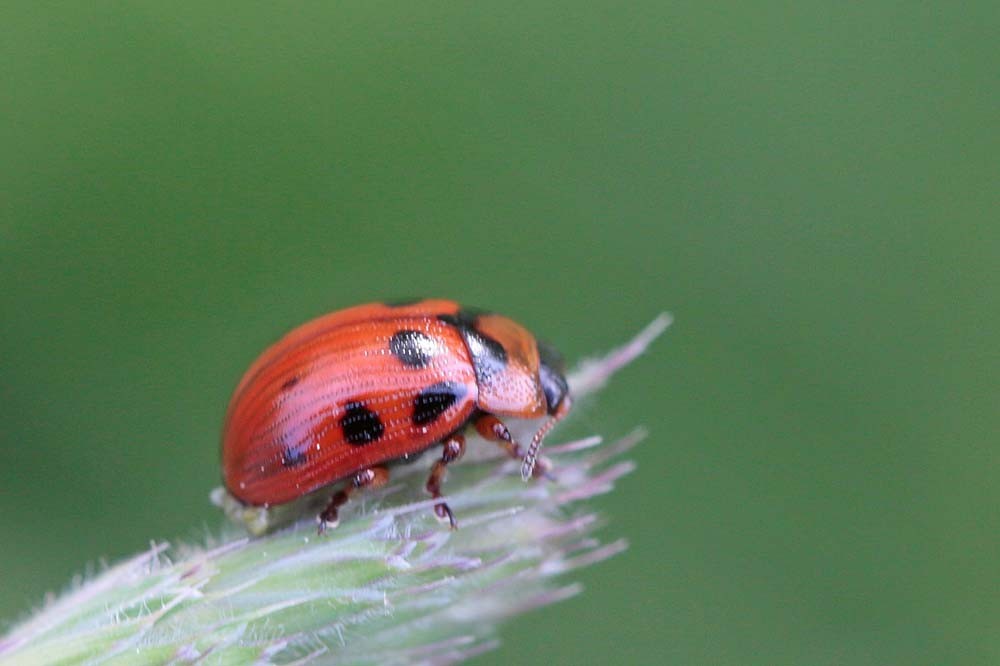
x: 342, y: 396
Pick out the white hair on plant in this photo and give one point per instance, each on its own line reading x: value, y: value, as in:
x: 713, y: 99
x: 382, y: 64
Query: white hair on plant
x: 389, y: 585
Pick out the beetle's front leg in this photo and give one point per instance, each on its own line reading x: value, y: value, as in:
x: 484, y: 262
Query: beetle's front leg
x: 492, y: 429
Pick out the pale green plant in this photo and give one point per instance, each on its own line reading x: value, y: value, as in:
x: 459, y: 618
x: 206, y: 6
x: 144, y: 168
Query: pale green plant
x: 389, y: 585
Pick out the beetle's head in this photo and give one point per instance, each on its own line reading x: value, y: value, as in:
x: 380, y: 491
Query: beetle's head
x: 551, y: 375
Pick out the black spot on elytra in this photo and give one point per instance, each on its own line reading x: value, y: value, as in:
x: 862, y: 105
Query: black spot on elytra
x: 413, y: 348
x: 290, y: 383
x: 292, y: 457
x: 360, y: 425
x: 489, y: 358
x: 401, y: 302
x: 464, y: 318
x: 434, y: 400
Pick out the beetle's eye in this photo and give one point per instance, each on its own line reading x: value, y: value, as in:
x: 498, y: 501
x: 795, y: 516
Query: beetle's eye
x: 554, y: 386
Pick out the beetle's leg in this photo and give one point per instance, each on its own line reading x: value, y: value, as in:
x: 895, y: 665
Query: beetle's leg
x: 454, y: 447
x: 493, y: 430
x: 372, y: 477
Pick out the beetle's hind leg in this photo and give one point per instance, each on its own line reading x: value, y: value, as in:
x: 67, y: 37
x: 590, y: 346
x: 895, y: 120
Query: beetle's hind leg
x: 372, y: 477
x: 454, y: 447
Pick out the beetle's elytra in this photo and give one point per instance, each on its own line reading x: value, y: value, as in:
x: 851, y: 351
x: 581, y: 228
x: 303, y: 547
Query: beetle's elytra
x: 344, y: 394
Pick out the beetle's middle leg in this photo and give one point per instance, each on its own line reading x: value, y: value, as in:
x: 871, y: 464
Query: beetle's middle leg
x: 454, y: 447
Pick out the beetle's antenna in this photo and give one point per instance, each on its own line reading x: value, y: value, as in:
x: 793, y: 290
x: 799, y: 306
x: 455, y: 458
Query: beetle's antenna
x: 531, y: 457
x: 528, y: 464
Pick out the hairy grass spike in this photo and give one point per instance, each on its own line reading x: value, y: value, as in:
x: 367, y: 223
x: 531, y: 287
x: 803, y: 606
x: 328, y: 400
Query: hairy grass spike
x: 388, y: 586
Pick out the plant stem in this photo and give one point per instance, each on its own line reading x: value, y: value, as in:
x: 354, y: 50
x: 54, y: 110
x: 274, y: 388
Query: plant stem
x: 390, y: 585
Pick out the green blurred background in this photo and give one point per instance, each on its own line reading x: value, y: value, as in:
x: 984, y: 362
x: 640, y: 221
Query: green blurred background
x: 810, y: 187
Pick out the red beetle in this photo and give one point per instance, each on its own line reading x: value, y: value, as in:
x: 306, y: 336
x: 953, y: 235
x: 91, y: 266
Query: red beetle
x: 343, y: 395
